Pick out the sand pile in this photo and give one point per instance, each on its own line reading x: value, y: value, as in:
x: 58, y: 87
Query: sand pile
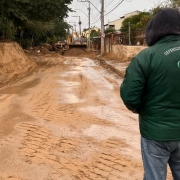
x: 14, y: 64
x: 74, y: 52
x: 81, y: 53
x: 109, y: 55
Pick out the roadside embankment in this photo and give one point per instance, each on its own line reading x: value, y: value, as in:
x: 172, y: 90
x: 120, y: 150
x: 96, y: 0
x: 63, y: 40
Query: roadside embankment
x: 14, y: 64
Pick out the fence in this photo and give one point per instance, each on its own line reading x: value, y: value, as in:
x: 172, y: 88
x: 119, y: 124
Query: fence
x: 136, y: 38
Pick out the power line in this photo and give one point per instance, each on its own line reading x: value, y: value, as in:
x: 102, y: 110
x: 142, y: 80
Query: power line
x: 109, y: 3
x: 85, y: 21
x: 94, y: 15
x: 114, y: 8
x: 95, y: 21
x: 95, y: 7
x: 84, y: 4
x: 112, y: 5
x: 85, y: 25
x: 82, y: 11
x: 91, y: 4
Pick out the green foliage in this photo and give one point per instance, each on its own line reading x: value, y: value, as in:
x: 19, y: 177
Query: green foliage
x: 108, y: 30
x: 170, y: 3
x: 7, y: 30
x: 156, y: 9
x: 85, y: 29
x: 52, y: 39
x: 41, y: 20
x: 61, y: 29
x: 94, y: 33
x: 136, y: 22
x: 175, y: 3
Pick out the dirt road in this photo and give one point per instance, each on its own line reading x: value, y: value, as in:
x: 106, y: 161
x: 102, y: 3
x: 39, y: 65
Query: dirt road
x: 67, y: 122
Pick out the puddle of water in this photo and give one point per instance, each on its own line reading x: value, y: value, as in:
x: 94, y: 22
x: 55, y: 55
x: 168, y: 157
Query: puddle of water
x: 20, y: 88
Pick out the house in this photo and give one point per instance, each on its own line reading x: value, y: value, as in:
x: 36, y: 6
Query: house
x: 116, y: 24
x: 86, y: 32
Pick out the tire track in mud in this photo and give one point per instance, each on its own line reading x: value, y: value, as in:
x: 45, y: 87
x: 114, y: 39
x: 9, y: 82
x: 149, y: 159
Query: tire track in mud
x: 71, y: 155
x: 64, y: 156
x: 68, y: 157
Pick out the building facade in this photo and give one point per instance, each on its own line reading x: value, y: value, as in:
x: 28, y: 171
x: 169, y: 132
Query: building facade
x: 116, y: 24
x: 86, y: 33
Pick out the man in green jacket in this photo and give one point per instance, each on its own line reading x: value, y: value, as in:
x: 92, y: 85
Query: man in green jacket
x: 151, y: 88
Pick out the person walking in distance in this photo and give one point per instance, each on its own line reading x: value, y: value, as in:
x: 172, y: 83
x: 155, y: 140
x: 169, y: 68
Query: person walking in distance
x: 151, y: 88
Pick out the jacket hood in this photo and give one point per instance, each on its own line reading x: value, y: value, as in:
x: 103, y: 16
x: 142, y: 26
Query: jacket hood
x: 165, y: 22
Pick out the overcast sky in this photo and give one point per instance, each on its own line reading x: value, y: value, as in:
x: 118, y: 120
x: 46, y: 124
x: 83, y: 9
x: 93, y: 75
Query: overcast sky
x: 125, y: 7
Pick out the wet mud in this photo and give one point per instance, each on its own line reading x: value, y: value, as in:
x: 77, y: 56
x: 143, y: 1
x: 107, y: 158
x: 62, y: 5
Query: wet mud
x: 67, y: 122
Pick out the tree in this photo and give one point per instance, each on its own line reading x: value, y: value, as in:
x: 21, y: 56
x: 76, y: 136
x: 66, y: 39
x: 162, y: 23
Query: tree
x: 109, y: 29
x: 174, y: 3
x: 135, y: 22
x: 138, y: 21
x: 42, y: 18
x: 61, y: 29
x: 94, y: 33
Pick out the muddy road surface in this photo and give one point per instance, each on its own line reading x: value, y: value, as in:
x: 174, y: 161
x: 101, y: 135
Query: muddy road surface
x: 67, y: 122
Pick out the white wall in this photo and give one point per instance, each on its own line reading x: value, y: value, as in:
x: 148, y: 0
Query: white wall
x: 118, y: 23
x: 126, y: 53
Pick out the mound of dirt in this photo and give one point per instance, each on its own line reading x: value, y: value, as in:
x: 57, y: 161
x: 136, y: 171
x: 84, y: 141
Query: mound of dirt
x: 47, y: 46
x: 81, y: 53
x: 14, y: 64
x: 74, y: 52
x: 38, y: 50
x: 109, y: 55
x: 48, y: 60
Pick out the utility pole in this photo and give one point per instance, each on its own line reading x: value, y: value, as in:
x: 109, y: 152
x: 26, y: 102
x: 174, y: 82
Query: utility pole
x: 89, y: 26
x: 75, y: 27
x: 79, y: 24
x: 89, y: 11
x: 102, y: 27
x: 129, y: 33
x: 74, y: 23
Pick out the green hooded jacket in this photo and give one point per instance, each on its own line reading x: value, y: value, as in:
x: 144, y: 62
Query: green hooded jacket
x: 151, y: 88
